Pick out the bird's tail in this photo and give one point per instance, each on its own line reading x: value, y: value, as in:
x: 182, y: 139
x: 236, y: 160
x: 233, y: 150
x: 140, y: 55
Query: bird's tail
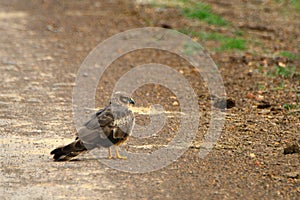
x: 69, y: 151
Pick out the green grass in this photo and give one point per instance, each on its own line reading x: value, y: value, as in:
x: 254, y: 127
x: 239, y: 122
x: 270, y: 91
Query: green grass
x: 289, y: 55
x: 238, y: 33
x: 293, y: 3
x: 203, y: 12
x: 261, y: 87
x: 233, y: 43
x: 226, y: 43
x: 285, y: 72
x: 290, y: 106
x: 296, y: 4
x: 192, y: 10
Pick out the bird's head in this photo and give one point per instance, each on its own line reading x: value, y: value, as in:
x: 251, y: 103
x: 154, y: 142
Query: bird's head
x: 121, y: 98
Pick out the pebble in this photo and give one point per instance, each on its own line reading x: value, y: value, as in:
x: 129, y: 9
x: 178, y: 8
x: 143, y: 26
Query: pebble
x: 295, y: 174
x: 252, y: 155
x: 175, y: 103
x: 291, y: 149
x: 46, y: 58
x: 264, y: 105
x: 259, y: 97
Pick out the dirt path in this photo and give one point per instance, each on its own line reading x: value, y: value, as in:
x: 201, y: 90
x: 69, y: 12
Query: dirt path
x: 28, y: 103
x: 42, y: 46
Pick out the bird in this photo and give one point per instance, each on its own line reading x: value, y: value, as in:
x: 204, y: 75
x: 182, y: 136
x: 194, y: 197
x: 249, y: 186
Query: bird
x: 110, y: 126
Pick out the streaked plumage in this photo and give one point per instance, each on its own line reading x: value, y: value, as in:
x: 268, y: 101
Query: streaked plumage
x: 109, y: 126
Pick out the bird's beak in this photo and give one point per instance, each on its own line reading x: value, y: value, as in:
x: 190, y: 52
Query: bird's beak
x: 131, y: 101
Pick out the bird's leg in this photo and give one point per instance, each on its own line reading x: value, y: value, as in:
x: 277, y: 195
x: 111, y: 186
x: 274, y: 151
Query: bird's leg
x: 118, y: 155
x: 109, y: 153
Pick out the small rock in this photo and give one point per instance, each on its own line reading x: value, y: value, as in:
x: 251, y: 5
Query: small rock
x: 46, y: 58
x: 264, y: 105
x: 291, y: 149
x: 175, y: 103
x: 224, y: 103
x: 295, y: 174
x: 252, y: 155
x: 281, y: 64
x: 260, y: 97
x: 250, y: 96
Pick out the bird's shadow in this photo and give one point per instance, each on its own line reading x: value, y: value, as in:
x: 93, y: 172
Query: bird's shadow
x: 91, y: 159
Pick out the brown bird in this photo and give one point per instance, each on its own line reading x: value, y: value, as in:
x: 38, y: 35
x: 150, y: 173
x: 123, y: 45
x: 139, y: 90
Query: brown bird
x: 107, y: 127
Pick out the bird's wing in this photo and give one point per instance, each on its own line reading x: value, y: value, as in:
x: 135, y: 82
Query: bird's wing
x: 95, y: 131
x: 99, y: 119
x: 112, y: 122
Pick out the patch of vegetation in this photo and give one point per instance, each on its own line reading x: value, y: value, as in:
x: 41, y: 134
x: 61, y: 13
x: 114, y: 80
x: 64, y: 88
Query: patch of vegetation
x: 296, y: 4
x: 238, y: 33
x: 290, y: 106
x: 203, y: 12
x: 261, y: 87
x: 192, y: 10
x: 293, y: 3
x: 289, y: 55
x: 226, y: 43
x: 285, y: 72
x: 233, y: 43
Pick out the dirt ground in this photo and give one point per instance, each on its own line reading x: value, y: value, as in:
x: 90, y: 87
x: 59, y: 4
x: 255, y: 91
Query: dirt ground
x: 43, y: 43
